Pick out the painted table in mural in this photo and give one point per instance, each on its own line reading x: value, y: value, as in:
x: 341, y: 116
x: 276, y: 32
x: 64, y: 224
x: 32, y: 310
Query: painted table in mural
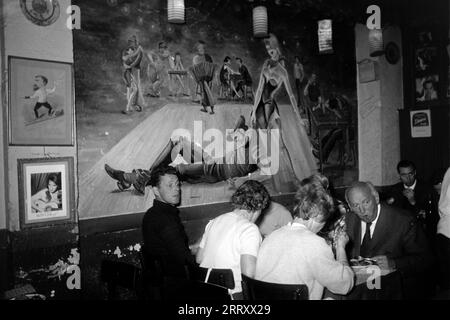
x: 182, y: 75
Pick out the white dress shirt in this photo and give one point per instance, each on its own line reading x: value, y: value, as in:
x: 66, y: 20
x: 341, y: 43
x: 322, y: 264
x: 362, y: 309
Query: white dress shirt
x: 411, y: 187
x: 443, y: 226
x: 372, y: 226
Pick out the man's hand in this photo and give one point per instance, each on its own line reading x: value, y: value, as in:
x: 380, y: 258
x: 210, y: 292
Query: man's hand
x: 409, y: 194
x: 385, y: 263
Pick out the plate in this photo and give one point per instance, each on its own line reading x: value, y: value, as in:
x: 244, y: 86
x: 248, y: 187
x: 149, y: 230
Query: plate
x: 362, y: 262
x: 41, y: 12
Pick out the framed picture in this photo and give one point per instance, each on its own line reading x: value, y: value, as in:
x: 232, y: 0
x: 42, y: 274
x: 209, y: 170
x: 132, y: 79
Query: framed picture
x: 427, y: 88
x: 41, y: 102
x: 425, y: 37
x: 427, y: 60
x: 420, y: 123
x: 46, y: 191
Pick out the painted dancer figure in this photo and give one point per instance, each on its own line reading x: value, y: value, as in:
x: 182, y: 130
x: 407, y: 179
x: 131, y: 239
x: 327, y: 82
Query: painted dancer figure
x: 41, y: 93
x: 203, y: 70
x: 131, y: 60
x: 265, y: 113
x: 247, y: 160
x: 158, y: 69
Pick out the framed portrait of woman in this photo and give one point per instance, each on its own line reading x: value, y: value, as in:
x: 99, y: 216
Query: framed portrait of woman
x: 46, y: 191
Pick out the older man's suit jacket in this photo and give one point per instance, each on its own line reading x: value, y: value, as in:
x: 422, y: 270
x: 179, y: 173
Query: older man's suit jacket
x: 397, y: 235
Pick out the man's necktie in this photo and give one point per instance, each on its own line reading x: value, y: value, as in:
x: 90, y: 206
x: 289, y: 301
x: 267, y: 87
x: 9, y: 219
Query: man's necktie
x: 365, y: 245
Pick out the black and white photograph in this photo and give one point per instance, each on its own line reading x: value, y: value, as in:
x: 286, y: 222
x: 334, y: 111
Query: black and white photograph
x: 427, y: 59
x: 46, y: 190
x: 427, y: 88
x: 182, y: 152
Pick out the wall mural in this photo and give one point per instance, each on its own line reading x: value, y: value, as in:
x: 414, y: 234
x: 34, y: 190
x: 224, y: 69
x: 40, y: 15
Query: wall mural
x: 206, y: 97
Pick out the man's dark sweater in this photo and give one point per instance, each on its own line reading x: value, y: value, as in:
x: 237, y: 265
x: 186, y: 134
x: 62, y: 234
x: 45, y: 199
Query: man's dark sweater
x: 164, y: 235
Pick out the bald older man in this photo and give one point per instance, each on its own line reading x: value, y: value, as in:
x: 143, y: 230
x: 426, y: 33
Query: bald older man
x: 388, y: 235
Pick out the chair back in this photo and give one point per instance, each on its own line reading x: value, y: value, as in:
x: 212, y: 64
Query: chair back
x: 155, y: 267
x: 121, y: 274
x: 220, y: 277
x: 178, y: 289
x: 260, y: 290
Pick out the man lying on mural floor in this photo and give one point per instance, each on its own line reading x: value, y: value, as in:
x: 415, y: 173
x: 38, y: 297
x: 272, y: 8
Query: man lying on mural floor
x: 238, y: 165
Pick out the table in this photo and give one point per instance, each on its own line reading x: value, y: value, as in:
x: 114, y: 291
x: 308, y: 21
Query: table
x: 388, y: 286
x: 181, y: 74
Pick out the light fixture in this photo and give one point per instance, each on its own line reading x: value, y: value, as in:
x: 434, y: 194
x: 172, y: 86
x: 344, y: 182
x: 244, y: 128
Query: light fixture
x: 376, y: 46
x: 175, y: 11
x: 260, y: 28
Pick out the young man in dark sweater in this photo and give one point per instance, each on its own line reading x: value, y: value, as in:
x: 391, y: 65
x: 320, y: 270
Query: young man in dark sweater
x: 163, y: 233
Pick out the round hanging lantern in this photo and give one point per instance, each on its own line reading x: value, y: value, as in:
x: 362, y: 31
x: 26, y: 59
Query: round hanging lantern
x: 376, y: 42
x: 260, y: 22
x: 175, y: 11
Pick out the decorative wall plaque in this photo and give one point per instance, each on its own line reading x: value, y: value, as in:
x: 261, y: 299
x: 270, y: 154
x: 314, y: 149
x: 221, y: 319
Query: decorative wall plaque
x: 41, y: 12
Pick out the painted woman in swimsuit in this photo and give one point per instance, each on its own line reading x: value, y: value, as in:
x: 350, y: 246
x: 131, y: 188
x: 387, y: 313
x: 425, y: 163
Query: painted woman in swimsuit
x: 265, y: 113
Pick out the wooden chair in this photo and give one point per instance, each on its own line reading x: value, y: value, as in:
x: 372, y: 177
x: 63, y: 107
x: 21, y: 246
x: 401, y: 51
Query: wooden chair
x: 120, y: 274
x: 260, y: 290
x: 154, y: 274
x: 220, y: 277
x: 248, y: 93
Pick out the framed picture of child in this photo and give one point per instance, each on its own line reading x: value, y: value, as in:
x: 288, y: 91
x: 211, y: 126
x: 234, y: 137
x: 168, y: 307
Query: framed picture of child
x: 41, y: 102
x: 46, y: 191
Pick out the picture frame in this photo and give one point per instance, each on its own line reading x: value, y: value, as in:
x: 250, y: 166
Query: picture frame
x: 40, y: 102
x: 427, y: 89
x: 420, y: 121
x: 429, y: 83
x: 46, y: 191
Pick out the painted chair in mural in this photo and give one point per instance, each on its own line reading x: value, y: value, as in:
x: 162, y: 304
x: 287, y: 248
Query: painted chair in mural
x: 248, y: 93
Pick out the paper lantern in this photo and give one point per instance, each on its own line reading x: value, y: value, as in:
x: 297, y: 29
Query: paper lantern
x: 260, y: 22
x: 175, y: 11
x: 325, y: 34
x: 376, y: 42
